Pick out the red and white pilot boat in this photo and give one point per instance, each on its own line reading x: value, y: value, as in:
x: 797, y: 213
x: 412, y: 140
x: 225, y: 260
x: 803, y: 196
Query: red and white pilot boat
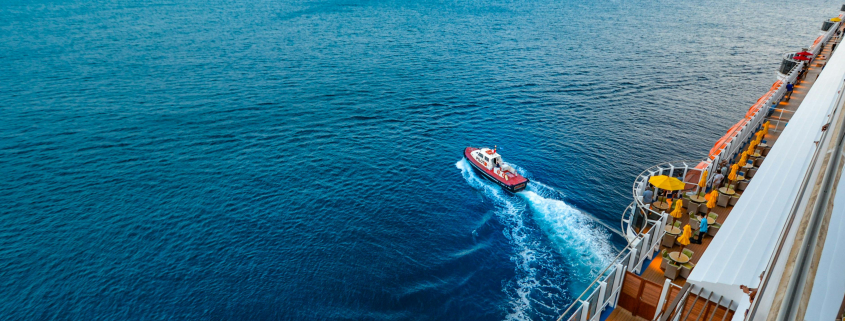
x: 489, y: 163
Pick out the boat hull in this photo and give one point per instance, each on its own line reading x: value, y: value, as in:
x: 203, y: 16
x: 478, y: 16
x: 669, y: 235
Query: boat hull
x: 513, y: 185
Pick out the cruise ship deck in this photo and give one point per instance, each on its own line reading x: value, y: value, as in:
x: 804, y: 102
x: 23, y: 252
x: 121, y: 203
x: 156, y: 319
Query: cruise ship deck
x: 645, y: 283
x: 779, y: 118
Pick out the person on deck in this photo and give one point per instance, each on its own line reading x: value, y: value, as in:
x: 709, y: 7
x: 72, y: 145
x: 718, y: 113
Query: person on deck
x: 647, y: 197
x: 702, y: 228
x: 789, y: 88
x: 717, y: 180
x: 751, y: 292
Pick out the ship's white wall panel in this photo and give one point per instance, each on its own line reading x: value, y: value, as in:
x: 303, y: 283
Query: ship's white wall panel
x: 829, y: 284
x: 742, y: 248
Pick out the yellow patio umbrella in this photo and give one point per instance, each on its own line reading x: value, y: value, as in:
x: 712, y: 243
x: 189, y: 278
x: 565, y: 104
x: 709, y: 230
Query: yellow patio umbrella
x: 702, y: 183
x: 684, y: 238
x: 744, y: 158
x: 751, y: 147
x: 666, y: 183
x: 711, y: 200
x: 679, y: 209
x: 732, y: 175
x: 837, y: 19
x: 766, y: 127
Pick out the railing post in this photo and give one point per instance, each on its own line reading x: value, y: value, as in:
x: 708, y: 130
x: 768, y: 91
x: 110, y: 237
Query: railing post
x: 658, y: 235
x: 585, y: 310
x: 667, y: 284
x: 617, y: 282
x: 601, y: 301
x: 632, y: 261
x: 647, y: 245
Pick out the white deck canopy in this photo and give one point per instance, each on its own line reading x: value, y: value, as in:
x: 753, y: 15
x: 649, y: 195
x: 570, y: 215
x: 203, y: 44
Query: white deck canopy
x: 744, y: 244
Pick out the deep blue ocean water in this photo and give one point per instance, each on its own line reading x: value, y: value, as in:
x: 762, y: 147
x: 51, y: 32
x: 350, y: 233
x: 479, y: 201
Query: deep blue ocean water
x: 262, y: 160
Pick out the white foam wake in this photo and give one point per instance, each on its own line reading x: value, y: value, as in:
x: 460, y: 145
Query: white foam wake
x: 510, y: 215
x: 582, y: 244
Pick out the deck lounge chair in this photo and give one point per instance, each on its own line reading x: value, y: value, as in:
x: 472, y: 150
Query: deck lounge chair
x: 711, y: 230
x: 672, y: 271
x: 734, y: 199
x: 723, y: 200
x: 694, y: 224
x: 668, y: 240
x: 702, y: 208
x: 686, y: 269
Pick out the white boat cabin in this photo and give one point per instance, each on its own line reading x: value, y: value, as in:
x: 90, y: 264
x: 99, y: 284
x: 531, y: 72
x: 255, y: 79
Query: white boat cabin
x: 491, y: 160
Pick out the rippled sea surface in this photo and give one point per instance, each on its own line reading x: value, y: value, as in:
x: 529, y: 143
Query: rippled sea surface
x: 302, y: 160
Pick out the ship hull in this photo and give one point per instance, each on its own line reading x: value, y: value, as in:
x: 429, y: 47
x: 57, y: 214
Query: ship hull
x: 513, y: 185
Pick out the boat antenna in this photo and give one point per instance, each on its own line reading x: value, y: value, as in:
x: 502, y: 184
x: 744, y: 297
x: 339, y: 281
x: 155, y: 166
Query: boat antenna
x: 495, y: 148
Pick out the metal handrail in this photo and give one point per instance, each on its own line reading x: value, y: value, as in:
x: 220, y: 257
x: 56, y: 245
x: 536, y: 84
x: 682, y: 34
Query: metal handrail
x: 628, y: 213
x: 594, y: 282
x: 631, y: 209
x: 602, y: 275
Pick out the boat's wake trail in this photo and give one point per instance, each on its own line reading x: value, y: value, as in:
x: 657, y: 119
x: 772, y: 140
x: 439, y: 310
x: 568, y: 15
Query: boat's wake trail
x: 584, y: 245
x: 557, y: 249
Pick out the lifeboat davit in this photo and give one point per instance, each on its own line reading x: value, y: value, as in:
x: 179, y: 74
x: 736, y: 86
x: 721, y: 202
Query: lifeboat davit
x: 489, y: 163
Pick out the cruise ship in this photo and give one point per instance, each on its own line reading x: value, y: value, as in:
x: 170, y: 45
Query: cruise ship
x: 768, y: 204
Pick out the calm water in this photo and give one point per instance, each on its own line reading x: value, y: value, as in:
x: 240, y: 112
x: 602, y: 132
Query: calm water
x: 301, y: 160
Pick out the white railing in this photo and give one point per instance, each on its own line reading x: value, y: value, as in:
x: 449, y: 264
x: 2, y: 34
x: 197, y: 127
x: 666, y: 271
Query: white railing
x: 604, y: 291
x: 817, y: 48
x: 741, y: 138
x: 681, y: 309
